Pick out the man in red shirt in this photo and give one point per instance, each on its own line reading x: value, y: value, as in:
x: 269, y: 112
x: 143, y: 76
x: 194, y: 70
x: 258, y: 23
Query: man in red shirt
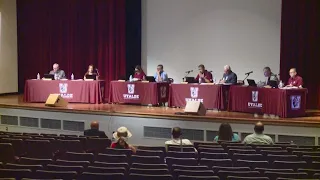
x: 204, y: 75
x: 294, y: 80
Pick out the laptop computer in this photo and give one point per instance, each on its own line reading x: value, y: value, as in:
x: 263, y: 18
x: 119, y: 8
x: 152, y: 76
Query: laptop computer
x: 92, y: 76
x: 273, y: 84
x: 150, y: 79
x: 251, y: 82
x: 48, y: 76
x: 190, y: 80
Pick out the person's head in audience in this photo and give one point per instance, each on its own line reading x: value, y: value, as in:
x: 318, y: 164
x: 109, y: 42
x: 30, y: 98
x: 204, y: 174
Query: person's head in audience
x: 201, y: 68
x: 121, y: 137
x: 293, y: 72
x: 176, y: 133
x: 138, y: 69
x: 226, y: 69
x: 259, y: 128
x: 267, y: 71
x: 94, y: 125
x: 225, y: 132
x: 55, y: 67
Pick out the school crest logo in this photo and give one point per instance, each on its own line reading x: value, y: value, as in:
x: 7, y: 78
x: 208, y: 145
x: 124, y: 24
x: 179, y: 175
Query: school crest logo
x: 63, y: 87
x: 194, y: 92
x: 255, y: 95
x: 163, y: 91
x: 295, y: 102
x: 130, y: 88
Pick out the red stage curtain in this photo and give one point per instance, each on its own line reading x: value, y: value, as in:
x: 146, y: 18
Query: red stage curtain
x: 73, y: 33
x: 300, y: 44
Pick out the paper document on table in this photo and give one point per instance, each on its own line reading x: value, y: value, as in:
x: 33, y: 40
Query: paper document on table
x: 288, y: 87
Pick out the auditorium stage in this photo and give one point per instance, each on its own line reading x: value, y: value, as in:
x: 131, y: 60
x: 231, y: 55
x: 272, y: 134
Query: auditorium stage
x: 312, y: 118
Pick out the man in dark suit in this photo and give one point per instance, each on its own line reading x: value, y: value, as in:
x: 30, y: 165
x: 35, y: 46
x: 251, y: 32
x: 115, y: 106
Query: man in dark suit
x: 94, y: 131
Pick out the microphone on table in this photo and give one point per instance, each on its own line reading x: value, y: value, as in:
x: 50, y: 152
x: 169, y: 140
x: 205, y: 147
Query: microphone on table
x: 248, y: 73
x: 189, y: 71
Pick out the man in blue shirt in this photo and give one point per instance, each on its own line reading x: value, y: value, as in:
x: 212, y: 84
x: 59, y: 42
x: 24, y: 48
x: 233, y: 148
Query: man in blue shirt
x: 160, y: 75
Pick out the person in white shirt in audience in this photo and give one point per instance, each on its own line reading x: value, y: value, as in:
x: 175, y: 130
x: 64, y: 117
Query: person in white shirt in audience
x: 258, y: 137
x: 160, y: 75
x: 176, y: 138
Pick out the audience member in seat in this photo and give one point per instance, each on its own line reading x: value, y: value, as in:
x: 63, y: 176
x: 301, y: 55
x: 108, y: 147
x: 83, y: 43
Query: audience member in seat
x: 122, y: 136
x: 176, y: 138
x: 258, y: 137
x: 94, y: 131
x: 226, y: 134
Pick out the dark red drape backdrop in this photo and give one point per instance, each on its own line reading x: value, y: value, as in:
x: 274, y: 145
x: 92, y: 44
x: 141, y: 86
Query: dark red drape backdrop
x: 300, y: 44
x: 73, y: 33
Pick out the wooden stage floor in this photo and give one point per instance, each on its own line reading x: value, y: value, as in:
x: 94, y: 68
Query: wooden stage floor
x: 312, y: 118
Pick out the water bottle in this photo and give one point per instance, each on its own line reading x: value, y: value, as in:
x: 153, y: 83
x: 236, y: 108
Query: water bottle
x: 281, y: 84
x: 38, y: 76
x: 130, y: 78
x: 72, y: 76
x: 214, y: 80
x: 199, y: 80
x: 55, y: 76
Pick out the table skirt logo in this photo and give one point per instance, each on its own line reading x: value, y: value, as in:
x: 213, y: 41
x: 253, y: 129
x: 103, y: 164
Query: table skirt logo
x: 295, y: 102
x: 163, y: 91
x: 131, y: 88
x: 131, y: 92
x: 194, y: 93
x: 63, y: 87
x: 254, y: 99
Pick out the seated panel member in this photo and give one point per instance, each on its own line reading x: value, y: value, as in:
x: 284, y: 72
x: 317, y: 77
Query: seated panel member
x: 204, y: 75
x: 294, y: 80
x: 91, y: 71
x: 57, y: 72
x: 160, y: 75
x: 269, y: 76
x: 139, y: 74
x: 228, y: 76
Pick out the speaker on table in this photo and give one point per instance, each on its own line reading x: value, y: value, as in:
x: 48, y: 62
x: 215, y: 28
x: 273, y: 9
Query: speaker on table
x: 195, y: 107
x: 55, y: 100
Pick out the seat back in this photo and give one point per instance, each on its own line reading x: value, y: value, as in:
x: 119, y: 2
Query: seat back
x: 7, y: 153
x: 103, y: 164
x: 276, y: 175
x: 152, y: 148
x: 216, y: 162
x: 72, y: 163
x: 15, y: 173
x: 211, y: 150
x: 150, y: 153
x: 67, y: 175
x: 179, y: 172
x: 183, y: 177
x: 112, y: 158
x: 94, y: 169
x: 252, y: 164
x: 71, y: 146
x: 246, y: 178
x: 289, y: 164
x: 97, y: 145
x: 54, y: 167
x: 127, y: 152
x: 101, y: 176
x: 33, y: 168
x: 194, y: 168
x: 35, y: 161
x: 38, y: 149
x: 17, y: 144
x: 176, y: 154
x: 146, y: 159
x: 224, y: 174
x: 181, y: 161
x: 149, y: 166
x: 184, y: 148
x: 134, y: 176
x: 149, y: 171
x: 73, y: 156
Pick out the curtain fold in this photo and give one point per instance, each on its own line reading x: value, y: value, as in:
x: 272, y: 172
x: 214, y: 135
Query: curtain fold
x: 73, y: 33
x: 300, y: 45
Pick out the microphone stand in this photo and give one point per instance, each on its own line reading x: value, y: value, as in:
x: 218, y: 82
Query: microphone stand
x: 246, y: 77
x: 188, y: 72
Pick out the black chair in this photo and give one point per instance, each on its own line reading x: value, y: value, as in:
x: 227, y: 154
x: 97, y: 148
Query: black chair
x: 246, y: 178
x: 112, y: 158
x: 17, y: 144
x: 7, y: 153
x: 274, y: 152
x: 54, y: 167
x: 146, y: 159
x: 233, y: 146
x: 182, y: 177
x: 71, y: 146
x: 66, y: 175
x: 310, y: 172
x: 249, y: 157
x: 175, y: 154
x: 308, y: 153
x: 263, y: 170
x: 315, y: 148
x: 216, y: 162
x: 149, y: 177
x: 289, y: 164
x: 276, y: 175
x: 113, y: 170
x: 35, y: 161
x: 268, y: 148
x: 252, y: 164
x: 150, y: 153
x: 216, y: 169
x: 212, y: 150
x: 38, y: 149
x: 127, y: 152
x: 181, y: 148
x: 97, y: 145
x: 190, y: 168
x: 179, y: 172
x: 101, y: 176
x: 196, y: 144
x: 315, y: 164
x: 103, y: 164
x: 224, y: 174
x: 309, y: 159
x: 181, y: 161
x: 316, y: 176
x: 273, y: 158
x: 148, y: 171
x: 214, y: 155
x: 72, y: 163
x: 74, y: 156
x: 16, y: 173
x: 291, y: 149
x: 241, y: 151
x: 149, y: 166
x: 152, y: 148
x: 33, y: 168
